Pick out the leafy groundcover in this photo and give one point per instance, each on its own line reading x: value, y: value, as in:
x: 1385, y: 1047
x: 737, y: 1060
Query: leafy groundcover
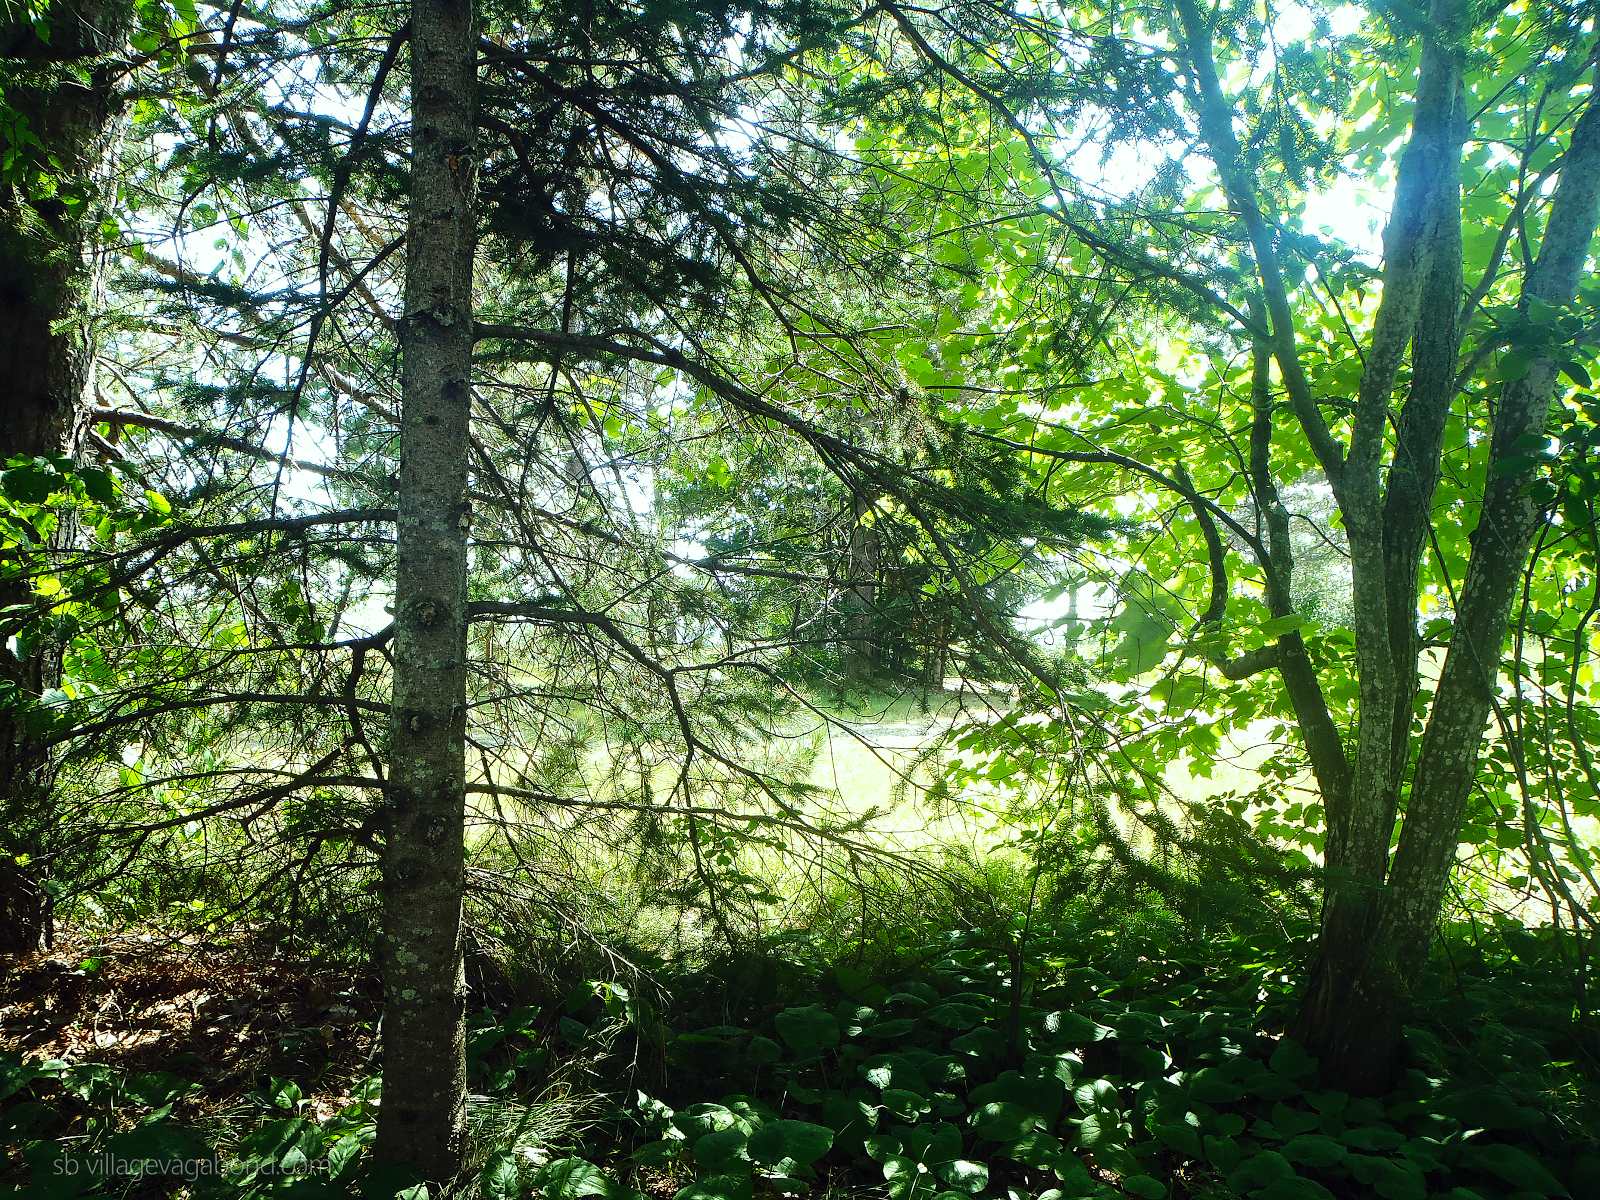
x: 1165, y: 1080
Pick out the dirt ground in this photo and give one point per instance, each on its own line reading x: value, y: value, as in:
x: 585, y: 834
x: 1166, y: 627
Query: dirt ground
x: 225, y: 1015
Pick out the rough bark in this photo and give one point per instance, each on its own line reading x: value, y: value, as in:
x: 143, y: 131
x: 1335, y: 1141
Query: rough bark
x: 861, y: 600
x: 48, y: 278
x: 1387, y: 517
x: 1359, y: 1050
x: 422, y: 1122
x: 1379, y: 916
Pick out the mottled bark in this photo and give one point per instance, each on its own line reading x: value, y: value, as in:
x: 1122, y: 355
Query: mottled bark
x: 48, y: 279
x: 1387, y: 516
x: 422, y: 1122
x: 1379, y: 915
x: 1359, y: 1056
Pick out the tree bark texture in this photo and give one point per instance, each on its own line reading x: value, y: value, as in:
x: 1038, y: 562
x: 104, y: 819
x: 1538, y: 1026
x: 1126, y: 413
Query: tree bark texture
x: 1380, y: 912
x: 48, y: 279
x: 422, y: 1121
x: 1447, y: 762
x: 1387, y: 515
x: 1372, y: 952
x: 861, y: 601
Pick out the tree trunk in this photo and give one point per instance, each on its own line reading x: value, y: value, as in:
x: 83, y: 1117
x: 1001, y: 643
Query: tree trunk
x: 1360, y: 1044
x: 1379, y: 915
x: 48, y: 279
x: 861, y: 601
x: 1388, y: 525
x: 422, y: 1121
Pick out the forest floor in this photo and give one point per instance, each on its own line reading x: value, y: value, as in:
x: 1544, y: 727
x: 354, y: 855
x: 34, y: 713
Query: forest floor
x: 228, y: 1014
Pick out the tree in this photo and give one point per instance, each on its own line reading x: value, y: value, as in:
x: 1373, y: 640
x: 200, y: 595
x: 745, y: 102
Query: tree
x: 654, y: 277
x: 58, y: 104
x: 424, y: 1122
x: 1377, y: 383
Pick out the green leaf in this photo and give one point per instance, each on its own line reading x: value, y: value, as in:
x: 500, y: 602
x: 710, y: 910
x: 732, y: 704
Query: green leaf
x: 1075, y: 1028
x: 908, y: 1106
x: 858, y: 986
x: 1279, y: 626
x: 753, y: 1112
x: 1224, y: 1153
x: 1075, y: 1178
x: 500, y: 1179
x: 23, y: 1122
x: 881, y: 1147
x: 284, y: 1093
x: 575, y: 1032
x: 290, y: 1143
x: 787, y: 1145
x: 906, y: 1179
x: 158, y: 1088
x: 1293, y: 1189
x: 767, y: 1050
x: 1512, y: 366
x: 1516, y: 465
x: 1377, y: 1138
x: 15, y: 1072
x: 936, y: 1143
x: 1290, y: 1122
x: 964, y: 1175
x: 1259, y: 1170
x: 850, y: 1117
x: 894, y: 1070
x: 1393, y: 1179
x: 1487, y: 1108
x: 1002, y: 1122
x: 1315, y: 1150
x: 1516, y: 1167
x: 1143, y: 1185
x: 1181, y: 1136
x: 1145, y: 644
x: 1037, y: 1149
x: 30, y: 484
x: 897, y: 1028
x: 984, y: 1042
x: 1291, y: 1060
x: 700, y: 1119
x: 954, y: 1016
x: 571, y: 1179
x: 717, y: 1153
x: 344, y: 1153
x: 1096, y: 1129
x: 718, y: 1187
x: 166, y: 1143
x: 1210, y: 1087
x: 808, y: 1030
x: 657, y: 1154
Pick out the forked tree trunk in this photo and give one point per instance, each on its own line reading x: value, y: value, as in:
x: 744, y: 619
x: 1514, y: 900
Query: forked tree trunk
x: 1360, y: 1039
x: 1380, y: 912
x: 422, y: 1121
x: 47, y: 279
x: 1387, y: 518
